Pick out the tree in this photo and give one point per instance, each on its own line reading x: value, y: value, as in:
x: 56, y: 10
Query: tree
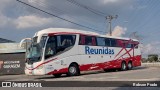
x: 153, y: 58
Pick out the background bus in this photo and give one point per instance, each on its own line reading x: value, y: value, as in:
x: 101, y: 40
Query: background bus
x: 59, y: 51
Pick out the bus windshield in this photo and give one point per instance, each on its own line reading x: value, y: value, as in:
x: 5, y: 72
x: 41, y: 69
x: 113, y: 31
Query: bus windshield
x: 34, y: 52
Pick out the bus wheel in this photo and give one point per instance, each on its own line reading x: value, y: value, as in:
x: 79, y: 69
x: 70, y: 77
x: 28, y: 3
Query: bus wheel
x: 73, y: 70
x: 123, y: 66
x: 130, y: 66
x: 57, y: 75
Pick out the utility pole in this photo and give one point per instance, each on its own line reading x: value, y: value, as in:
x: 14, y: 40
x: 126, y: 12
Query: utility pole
x: 110, y: 17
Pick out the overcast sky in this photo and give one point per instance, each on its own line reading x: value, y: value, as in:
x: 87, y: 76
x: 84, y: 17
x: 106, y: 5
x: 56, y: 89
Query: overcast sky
x: 18, y: 21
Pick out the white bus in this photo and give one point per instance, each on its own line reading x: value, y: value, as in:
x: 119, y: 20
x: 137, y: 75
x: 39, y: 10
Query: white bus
x: 57, y: 51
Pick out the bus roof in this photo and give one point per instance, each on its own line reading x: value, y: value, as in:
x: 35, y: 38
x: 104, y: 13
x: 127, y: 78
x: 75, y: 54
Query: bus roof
x: 67, y: 30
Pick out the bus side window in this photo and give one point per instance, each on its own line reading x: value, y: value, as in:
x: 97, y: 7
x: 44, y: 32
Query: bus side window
x: 120, y: 43
x: 124, y: 44
x: 113, y: 43
x: 81, y: 39
x: 107, y: 42
x: 65, y: 41
x: 50, y: 47
x: 129, y: 45
x: 136, y: 45
x: 100, y: 41
x: 88, y: 40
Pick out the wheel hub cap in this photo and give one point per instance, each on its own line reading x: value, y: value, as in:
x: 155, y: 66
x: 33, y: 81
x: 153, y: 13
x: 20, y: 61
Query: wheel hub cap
x: 72, y: 70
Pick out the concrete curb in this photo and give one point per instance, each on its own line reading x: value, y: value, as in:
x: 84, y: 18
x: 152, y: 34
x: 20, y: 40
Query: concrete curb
x: 157, y: 64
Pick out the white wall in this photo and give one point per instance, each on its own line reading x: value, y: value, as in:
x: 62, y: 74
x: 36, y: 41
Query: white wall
x: 10, y: 48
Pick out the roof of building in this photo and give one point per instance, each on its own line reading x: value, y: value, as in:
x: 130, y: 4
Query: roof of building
x: 10, y: 48
x: 2, y: 40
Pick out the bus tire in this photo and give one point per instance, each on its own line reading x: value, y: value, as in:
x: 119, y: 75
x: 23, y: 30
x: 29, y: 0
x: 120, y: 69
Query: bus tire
x: 73, y: 70
x: 123, y: 66
x: 129, y: 66
x: 57, y: 75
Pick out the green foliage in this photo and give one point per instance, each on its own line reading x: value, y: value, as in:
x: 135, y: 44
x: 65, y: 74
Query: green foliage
x: 152, y: 58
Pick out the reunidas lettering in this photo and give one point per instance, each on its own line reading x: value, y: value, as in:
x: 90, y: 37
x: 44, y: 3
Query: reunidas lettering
x: 104, y: 50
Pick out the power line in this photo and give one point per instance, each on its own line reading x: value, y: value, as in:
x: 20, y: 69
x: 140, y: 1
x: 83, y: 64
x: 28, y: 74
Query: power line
x: 87, y: 8
x: 52, y: 8
x: 109, y: 17
x: 136, y: 12
x: 57, y: 16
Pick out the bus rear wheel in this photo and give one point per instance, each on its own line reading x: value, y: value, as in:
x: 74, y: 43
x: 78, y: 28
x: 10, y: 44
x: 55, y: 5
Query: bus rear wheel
x: 123, y: 66
x: 57, y: 75
x: 130, y: 66
x: 73, y: 70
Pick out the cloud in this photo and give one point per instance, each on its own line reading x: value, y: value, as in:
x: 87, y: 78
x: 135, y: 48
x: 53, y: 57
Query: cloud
x: 4, y: 20
x: 19, y: 16
x: 137, y: 7
x: 31, y: 21
x: 119, y: 31
x: 109, y: 1
x: 35, y: 2
x: 5, y: 3
x: 151, y: 48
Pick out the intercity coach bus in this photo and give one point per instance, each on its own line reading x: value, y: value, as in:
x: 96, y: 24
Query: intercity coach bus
x: 57, y: 51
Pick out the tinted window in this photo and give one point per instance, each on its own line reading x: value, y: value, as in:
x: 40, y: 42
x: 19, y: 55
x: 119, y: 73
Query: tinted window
x: 65, y: 40
x: 88, y: 40
x: 120, y: 43
x: 135, y: 45
x: 50, y: 47
x: 82, y: 40
x: 113, y: 43
x: 100, y: 41
x: 34, y: 40
x: 108, y: 42
x: 58, y: 43
x: 43, y: 40
x: 128, y: 45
